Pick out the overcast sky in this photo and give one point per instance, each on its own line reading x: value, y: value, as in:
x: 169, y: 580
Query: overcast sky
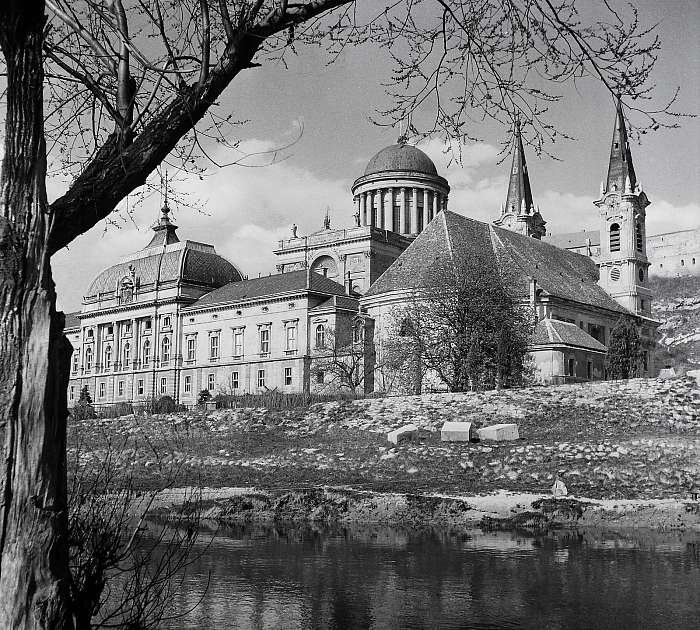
x: 248, y: 209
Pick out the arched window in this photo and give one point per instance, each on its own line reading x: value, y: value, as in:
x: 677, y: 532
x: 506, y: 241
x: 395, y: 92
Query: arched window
x: 615, y: 237
x: 357, y: 332
x: 325, y: 266
x: 320, y: 336
x: 165, y: 349
x: 88, y: 359
x: 108, y: 356
x: 406, y: 329
x: 126, y: 355
x: 146, y: 354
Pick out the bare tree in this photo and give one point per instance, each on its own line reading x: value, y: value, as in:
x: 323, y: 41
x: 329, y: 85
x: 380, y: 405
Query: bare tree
x: 345, y: 362
x: 115, y: 88
x: 467, y: 330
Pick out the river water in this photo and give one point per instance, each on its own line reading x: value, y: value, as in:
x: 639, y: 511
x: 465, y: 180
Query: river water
x: 253, y: 577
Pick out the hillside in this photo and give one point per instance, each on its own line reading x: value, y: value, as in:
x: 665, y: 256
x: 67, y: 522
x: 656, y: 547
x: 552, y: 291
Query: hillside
x: 677, y: 305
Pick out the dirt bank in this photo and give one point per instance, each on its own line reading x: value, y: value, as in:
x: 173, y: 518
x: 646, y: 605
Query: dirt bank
x: 501, y: 510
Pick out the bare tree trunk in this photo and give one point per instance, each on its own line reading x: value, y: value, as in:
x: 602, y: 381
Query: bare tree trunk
x: 34, y: 354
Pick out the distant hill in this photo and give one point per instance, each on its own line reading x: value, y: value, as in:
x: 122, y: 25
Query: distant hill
x: 677, y: 305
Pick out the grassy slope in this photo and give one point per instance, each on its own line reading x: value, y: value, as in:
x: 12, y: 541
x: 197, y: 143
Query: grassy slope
x: 677, y: 305
x: 636, y: 439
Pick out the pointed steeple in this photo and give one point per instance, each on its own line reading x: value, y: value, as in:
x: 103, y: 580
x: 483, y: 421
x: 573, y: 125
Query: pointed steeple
x: 621, y: 176
x: 519, y: 200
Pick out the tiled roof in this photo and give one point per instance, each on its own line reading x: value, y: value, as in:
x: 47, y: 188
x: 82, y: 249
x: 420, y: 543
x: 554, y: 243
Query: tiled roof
x: 303, y: 280
x: 180, y: 263
x: 552, y: 331
x: 455, y: 237
x: 574, y: 239
x: 338, y: 301
x: 72, y: 320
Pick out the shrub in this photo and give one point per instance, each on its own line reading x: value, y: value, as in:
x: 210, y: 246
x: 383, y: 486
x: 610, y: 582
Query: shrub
x: 203, y: 397
x: 165, y: 404
x: 83, y: 411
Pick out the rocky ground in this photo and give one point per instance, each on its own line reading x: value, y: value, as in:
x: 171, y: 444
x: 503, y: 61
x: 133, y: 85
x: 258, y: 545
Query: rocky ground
x: 636, y: 439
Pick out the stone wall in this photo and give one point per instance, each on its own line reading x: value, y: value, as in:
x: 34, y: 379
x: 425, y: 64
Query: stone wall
x: 675, y: 253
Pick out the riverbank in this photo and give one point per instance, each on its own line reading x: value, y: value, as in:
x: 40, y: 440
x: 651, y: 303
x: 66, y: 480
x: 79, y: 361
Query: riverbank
x: 499, y: 510
x: 635, y: 440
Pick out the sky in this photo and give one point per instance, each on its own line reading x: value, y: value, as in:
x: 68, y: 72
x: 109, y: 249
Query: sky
x: 246, y: 210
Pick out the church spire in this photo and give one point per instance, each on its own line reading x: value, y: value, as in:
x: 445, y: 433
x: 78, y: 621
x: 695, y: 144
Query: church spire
x: 621, y: 175
x: 519, y: 200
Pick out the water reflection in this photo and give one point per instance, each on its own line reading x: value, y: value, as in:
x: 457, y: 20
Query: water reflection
x: 277, y: 577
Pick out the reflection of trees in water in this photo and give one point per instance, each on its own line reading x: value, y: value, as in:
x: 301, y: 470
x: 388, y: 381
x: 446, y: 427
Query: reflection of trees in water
x: 276, y: 577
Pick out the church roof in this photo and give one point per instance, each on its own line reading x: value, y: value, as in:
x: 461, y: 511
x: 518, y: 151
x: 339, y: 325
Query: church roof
x: 519, y: 191
x: 620, y: 169
x: 265, y: 286
x: 452, y: 237
x: 574, y: 239
x: 554, y: 332
x: 401, y: 157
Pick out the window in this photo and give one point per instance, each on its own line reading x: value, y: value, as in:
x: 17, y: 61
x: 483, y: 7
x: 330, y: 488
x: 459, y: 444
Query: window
x: 357, y: 332
x: 139, y: 387
x: 320, y: 377
x: 146, y: 355
x: 108, y: 356
x: 163, y: 385
x: 71, y: 393
x: 120, y: 388
x: 90, y: 333
x: 127, y: 328
x: 214, y: 346
x: 166, y: 321
x: 235, y: 384
x: 211, y: 382
x: 641, y: 274
x: 615, y: 237
x: 110, y: 331
x: 238, y: 342
x: 638, y: 236
x: 642, y: 304
x: 571, y: 367
x: 693, y: 260
x: 76, y: 358
x: 288, y: 376
x: 265, y: 340
x: 102, y: 390
x: 165, y: 349
x: 261, y: 378
x: 320, y: 336
x: 126, y: 354
x: 147, y: 325
x: 682, y: 263
x: 88, y: 358
x: 291, y: 337
x: 191, y: 348
x: 597, y: 332
x: 188, y: 384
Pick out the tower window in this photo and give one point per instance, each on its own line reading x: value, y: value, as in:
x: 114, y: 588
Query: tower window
x: 615, y: 237
x: 641, y: 274
x: 639, y: 236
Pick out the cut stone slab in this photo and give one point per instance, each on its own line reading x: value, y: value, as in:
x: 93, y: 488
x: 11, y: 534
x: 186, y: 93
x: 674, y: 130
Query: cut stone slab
x: 402, y: 434
x: 666, y: 373
x: 499, y: 432
x: 456, y: 432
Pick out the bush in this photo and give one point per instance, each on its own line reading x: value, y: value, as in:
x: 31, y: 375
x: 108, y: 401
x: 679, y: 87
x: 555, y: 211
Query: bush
x: 203, y: 397
x: 83, y: 411
x: 165, y: 404
x: 117, y: 410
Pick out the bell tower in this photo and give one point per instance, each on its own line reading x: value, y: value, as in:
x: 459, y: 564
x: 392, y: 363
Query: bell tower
x: 622, y: 205
x: 519, y: 213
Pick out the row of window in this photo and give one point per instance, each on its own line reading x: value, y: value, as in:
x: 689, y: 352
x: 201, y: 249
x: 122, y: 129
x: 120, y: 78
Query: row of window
x: 615, y: 237
x: 264, y: 341
x: 107, y: 355
x: 166, y: 322
x: 140, y: 389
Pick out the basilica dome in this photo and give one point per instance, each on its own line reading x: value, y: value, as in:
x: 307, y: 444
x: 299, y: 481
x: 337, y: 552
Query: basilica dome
x: 401, y: 157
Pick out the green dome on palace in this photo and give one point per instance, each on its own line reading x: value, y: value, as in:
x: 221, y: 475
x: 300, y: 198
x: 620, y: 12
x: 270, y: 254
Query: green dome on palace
x: 401, y: 157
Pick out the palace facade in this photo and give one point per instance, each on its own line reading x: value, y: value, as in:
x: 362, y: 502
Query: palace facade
x: 175, y: 318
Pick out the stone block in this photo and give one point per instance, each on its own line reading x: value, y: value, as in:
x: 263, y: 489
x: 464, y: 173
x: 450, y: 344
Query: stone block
x: 456, y: 431
x: 499, y: 432
x: 210, y: 406
x: 402, y: 434
x: 666, y: 373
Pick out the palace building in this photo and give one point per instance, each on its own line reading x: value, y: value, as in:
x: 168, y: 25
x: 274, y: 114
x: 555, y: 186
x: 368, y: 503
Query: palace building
x: 175, y: 318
